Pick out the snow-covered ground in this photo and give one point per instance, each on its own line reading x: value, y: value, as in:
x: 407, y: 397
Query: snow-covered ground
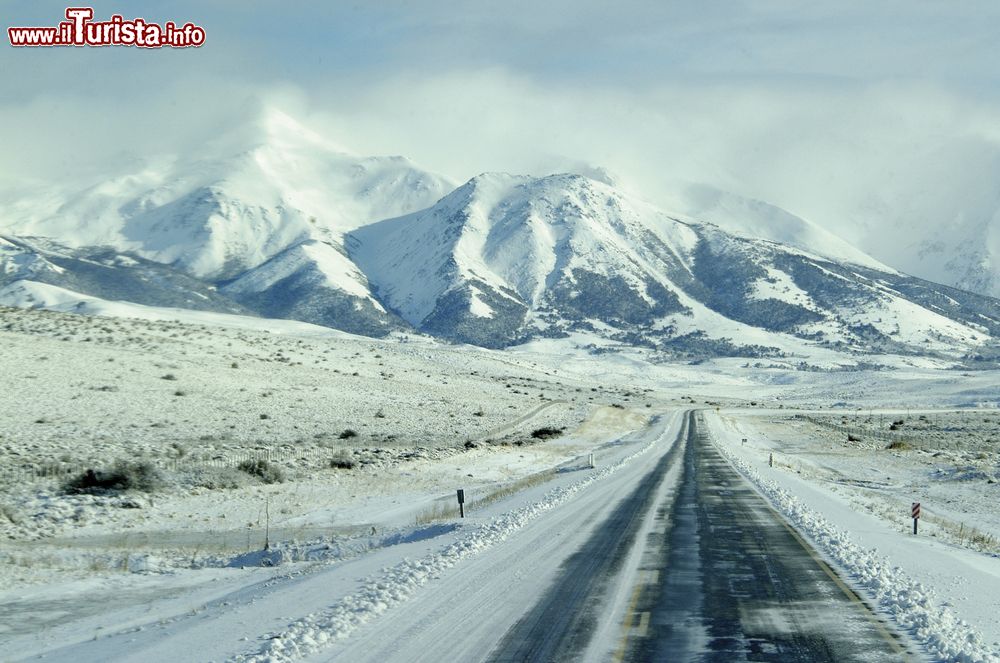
x: 190, y: 395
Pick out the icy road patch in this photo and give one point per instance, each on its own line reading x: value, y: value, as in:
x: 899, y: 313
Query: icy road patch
x: 912, y: 605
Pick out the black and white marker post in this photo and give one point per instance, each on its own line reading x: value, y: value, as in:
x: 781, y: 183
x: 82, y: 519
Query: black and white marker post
x: 915, y: 513
x: 461, y: 502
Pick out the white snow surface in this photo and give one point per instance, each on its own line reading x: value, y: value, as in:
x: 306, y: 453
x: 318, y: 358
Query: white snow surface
x: 335, y: 598
x: 331, y: 266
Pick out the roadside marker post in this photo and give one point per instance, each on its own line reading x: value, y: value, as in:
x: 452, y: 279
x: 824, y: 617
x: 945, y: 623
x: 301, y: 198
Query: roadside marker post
x: 915, y: 514
x: 461, y: 502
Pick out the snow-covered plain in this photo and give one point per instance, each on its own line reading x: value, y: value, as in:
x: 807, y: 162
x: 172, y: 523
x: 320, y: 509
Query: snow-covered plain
x: 184, y: 565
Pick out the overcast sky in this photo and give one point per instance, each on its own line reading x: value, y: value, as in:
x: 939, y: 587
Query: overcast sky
x: 826, y: 108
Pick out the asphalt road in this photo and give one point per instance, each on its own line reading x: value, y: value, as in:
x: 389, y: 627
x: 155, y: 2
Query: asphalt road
x: 558, y: 628
x: 722, y: 578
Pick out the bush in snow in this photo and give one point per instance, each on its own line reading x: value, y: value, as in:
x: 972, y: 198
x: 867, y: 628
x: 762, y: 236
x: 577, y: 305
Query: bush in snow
x: 265, y: 471
x: 8, y: 513
x: 343, y: 461
x: 123, y: 475
x: 546, y: 433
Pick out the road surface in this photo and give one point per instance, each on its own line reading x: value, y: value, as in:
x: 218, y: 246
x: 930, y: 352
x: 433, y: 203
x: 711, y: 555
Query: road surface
x: 722, y: 578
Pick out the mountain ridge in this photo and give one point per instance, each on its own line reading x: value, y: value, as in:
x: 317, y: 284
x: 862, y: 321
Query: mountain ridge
x: 287, y: 225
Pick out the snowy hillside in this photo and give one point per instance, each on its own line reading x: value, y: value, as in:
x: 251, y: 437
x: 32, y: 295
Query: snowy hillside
x: 273, y: 219
x: 504, y: 259
x: 968, y: 256
x: 261, y: 210
x: 251, y: 194
x: 314, y: 281
x: 102, y: 273
x: 941, y: 224
x: 756, y: 219
x: 364, y: 443
x: 505, y: 255
x: 938, y: 227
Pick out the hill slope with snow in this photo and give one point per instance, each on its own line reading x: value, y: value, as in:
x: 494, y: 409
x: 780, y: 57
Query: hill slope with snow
x: 271, y: 196
x: 245, y: 199
x: 505, y: 259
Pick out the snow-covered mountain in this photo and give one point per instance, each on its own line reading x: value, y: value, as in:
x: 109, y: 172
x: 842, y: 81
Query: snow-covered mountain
x: 969, y: 257
x: 504, y: 259
x: 250, y: 195
x: 939, y: 227
x: 270, y: 195
x: 273, y: 219
x: 943, y: 226
x: 314, y: 281
x: 756, y: 219
x: 103, y: 273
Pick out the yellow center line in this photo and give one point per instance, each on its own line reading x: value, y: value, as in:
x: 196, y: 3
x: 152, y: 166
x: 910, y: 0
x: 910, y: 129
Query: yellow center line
x: 627, y: 624
x: 643, y: 625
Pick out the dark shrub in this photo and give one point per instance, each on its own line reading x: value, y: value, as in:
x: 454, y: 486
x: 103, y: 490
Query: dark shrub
x: 123, y: 475
x: 546, y: 433
x: 347, y: 434
x: 343, y: 461
x: 264, y: 470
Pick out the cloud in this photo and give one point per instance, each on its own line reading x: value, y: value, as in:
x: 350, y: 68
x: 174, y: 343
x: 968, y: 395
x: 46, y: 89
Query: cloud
x: 816, y: 148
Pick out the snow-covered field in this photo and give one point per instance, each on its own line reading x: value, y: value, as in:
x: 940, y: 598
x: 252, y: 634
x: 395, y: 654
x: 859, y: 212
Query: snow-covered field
x: 193, y: 401
x: 193, y: 398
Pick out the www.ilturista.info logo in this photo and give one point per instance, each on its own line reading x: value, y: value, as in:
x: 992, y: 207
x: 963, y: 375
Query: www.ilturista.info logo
x: 80, y: 30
